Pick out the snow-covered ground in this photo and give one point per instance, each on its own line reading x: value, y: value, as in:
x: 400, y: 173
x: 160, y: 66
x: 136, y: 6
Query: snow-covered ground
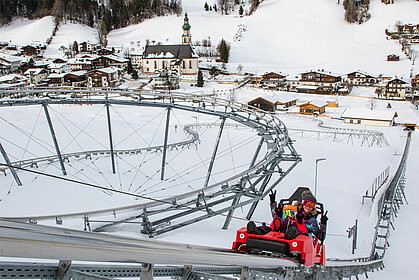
x: 291, y: 36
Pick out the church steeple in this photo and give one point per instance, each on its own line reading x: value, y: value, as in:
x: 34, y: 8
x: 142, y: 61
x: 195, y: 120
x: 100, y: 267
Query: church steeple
x: 186, y: 37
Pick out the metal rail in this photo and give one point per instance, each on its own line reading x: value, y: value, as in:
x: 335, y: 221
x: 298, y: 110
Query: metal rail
x: 280, y: 158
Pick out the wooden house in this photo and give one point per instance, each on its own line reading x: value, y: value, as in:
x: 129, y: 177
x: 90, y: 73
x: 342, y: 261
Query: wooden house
x: 273, y: 80
x: 415, y: 82
x: 76, y: 79
x: 365, y: 116
x: 272, y: 103
x: 414, y: 39
x: 361, y: 78
x: 105, y: 51
x: 326, y: 82
x: 86, y: 47
x: 313, y: 107
x: 12, y: 61
x: 55, y: 79
x: 109, y: 61
x: 393, y: 57
x: 396, y: 88
x: 104, y: 77
x: 13, y: 80
x: 29, y: 50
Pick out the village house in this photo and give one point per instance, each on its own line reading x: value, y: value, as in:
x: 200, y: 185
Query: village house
x: 165, y: 79
x: 104, y: 77
x: 12, y: 61
x: 36, y: 75
x: 59, y: 68
x: 180, y: 58
x: 76, y: 79
x: 396, y: 88
x: 105, y: 51
x: 273, y: 80
x: 414, y: 39
x: 415, y: 82
x: 393, y: 57
x: 361, y: 78
x: 4, y: 68
x: 136, y: 60
x: 80, y: 63
x: 55, y: 79
x: 12, y: 81
x: 365, y: 116
x: 108, y: 61
x: 29, y: 50
x: 87, y: 47
x: 315, y: 107
x: 316, y: 82
x: 272, y: 103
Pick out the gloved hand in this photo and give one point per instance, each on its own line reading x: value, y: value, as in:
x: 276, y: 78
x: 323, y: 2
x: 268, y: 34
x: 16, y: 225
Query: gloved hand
x: 300, y: 218
x: 324, y: 219
x: 272, y: 196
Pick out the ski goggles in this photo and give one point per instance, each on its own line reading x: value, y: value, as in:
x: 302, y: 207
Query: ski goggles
x: 288, y: 213
x: 309, y: 204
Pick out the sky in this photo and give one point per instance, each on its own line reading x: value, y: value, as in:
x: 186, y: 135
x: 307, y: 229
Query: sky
x: 287, y: 36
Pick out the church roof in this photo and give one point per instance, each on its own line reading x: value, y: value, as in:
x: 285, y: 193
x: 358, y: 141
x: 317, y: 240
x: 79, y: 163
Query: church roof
x: 169, y: 51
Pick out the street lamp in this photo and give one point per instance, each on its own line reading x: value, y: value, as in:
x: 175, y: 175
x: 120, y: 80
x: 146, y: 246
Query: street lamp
x: 315, y: 178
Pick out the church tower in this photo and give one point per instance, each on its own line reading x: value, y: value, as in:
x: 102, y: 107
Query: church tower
x: 186, y: 37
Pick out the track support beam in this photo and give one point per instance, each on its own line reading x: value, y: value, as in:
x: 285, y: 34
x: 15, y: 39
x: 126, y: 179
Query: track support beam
x: 54, y: 139
x: 108, y: 113
x: 166, y: 136
x: 9, y: 164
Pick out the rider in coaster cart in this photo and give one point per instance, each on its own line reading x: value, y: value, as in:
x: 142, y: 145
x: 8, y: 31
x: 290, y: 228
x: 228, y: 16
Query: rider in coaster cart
x: 295, y: 219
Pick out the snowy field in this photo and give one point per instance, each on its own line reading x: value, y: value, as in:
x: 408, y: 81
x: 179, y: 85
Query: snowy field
x: 291, y: 36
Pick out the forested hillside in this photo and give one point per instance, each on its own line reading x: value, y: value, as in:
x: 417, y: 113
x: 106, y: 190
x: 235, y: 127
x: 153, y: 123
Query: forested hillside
x: 115, y: 14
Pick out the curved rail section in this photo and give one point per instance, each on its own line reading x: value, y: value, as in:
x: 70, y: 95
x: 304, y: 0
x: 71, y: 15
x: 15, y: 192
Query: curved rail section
x: 221, y: 198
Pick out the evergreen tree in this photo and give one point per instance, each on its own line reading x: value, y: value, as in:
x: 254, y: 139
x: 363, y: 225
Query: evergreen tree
x: 134, y: 74
x: 224, y: 51
x: 200, y: 81
x: 206, y: 7
x: 75, y: 47
x: 129, y: 67
x: 241, y: 10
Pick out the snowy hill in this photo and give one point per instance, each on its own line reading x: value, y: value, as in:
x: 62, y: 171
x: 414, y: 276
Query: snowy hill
x: 291, y: 36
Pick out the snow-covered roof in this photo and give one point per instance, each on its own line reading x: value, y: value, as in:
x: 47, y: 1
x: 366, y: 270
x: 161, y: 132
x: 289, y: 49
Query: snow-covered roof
x: 275, y: 99
x: 34, y: 71
x: 108, y: 70
x: 367, y: 114
x: 78, y: 73
x: 169, y: 51
x: 11, y: 77
x: 56, y: 75
x: 323, y: 73
x: 363, y: 73
x: 10, y: 58
x: 116, y: 58
x: 317, y: 103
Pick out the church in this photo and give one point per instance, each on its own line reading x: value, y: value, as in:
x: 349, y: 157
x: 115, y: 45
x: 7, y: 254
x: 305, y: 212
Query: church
x: 180, y: 58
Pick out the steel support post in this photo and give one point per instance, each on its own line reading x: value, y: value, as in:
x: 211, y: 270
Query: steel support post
x: 147, y: 270
x: 214, y: 153
x: 9, y: 164
x: 231, y: 212
x: 257, y: 152
x: 166, y: 136
x: 108, y: 113
x: 262, y: 189
x: 54, y: 139
x: 245, y: 275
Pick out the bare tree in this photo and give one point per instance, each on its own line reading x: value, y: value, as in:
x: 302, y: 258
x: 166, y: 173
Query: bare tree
x: 372, y: 103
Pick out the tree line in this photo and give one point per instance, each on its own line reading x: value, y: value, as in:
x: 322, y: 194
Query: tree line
x: 115, y: 14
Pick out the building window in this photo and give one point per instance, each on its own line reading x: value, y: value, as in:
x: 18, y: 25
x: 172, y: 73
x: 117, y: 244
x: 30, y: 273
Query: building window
x: 190, y: 64
x: 183, y: 65
x: 359, y: 121
x: 351, y: 121
x: 155, y: 64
